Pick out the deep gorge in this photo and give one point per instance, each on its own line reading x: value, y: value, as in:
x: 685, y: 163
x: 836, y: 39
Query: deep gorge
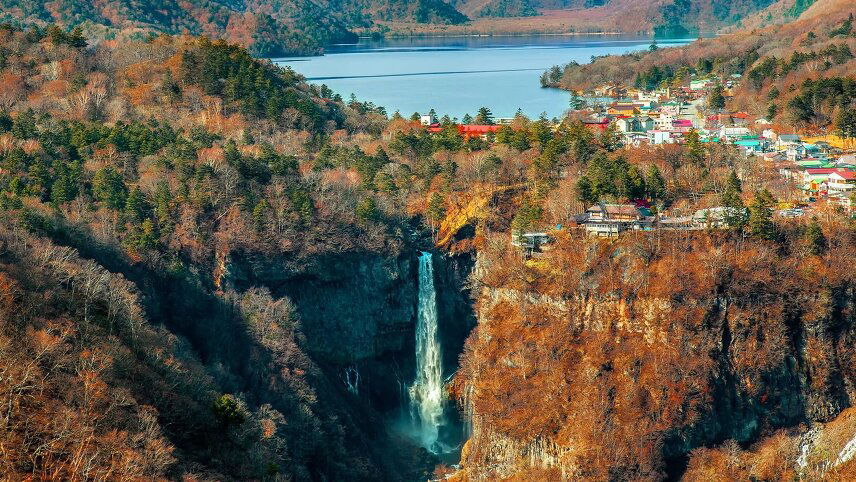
x: 358, y: 312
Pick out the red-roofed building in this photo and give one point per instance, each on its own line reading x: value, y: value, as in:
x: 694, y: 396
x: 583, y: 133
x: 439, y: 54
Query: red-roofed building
x: 814, y: 171
x: 841, y: 180
x: 469, y: 130
x: 597, y: 125
x: 472, y: 130
x: 816, y: 176
x: 682, y: 125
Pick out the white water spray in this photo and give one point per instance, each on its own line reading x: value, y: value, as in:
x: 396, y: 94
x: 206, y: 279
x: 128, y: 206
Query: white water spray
x: 426, y: 394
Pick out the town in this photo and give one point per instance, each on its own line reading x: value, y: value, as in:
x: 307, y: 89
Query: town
x: 817, y: 170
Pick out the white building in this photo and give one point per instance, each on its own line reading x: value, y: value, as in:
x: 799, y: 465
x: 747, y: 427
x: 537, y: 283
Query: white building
x: 659, y: 136
x: 733, y: 132
x: 842, y: 180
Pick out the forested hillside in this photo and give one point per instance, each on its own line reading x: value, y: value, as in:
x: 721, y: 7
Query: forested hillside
x: 669, y: 18
x: 128, y: 174
x: 198, y: 247
x: 302, y: 27
x: 704, y: 354
x: 208, y: 271
x: 437, y: 12
x: 798, y: 73
x: 267, y: 28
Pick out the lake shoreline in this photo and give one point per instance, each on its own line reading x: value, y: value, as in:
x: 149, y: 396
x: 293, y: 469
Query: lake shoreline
x: 458, y: 74
x: 478, y: 35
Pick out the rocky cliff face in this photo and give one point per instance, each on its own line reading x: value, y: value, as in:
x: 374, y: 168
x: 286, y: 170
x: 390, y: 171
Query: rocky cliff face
x: 606, y: 361
x: 358, y: 312
x: 352, y: 306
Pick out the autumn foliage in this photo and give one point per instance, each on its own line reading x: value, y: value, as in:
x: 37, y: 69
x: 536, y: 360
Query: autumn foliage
x: 612, y: 360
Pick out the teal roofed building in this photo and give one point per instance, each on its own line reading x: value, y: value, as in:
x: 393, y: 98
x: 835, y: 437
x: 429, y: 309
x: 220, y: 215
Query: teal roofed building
x: 750, y: 145
x: 812, y: 163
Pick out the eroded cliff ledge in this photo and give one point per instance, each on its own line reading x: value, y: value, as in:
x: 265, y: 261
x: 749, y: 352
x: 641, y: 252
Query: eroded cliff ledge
x: 613, y: 360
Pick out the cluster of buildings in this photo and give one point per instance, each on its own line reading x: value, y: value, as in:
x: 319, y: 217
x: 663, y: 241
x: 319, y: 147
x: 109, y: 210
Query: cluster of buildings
x: 815, y: 167
x: 663, y: 116
x: 817, y: 170
x: 609, y: 220
x: 666, y: 115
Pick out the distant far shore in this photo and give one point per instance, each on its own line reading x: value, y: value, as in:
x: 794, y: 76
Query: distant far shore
x: 394, y: 35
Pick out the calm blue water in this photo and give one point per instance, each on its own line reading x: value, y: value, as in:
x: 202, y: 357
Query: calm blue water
x: 458, y: 75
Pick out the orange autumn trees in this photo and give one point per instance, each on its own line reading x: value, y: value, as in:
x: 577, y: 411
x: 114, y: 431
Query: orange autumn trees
x: 610, y: 360
x: 65, y: 416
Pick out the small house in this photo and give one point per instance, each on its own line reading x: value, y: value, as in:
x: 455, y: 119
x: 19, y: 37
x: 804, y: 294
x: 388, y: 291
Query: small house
x: 817, y: 175
x: 469, y: 131
x: 531, y: 242
x: 608, y: 220
x: 629, y: 124
x: 785, y: 140
x: 659, y: 136
x: 717, y: 217
x: 730, y: 133
x: 842, y: 180
x: 750, y: 146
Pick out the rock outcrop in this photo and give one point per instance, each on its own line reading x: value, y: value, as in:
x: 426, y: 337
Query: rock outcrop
x: 610, y: 360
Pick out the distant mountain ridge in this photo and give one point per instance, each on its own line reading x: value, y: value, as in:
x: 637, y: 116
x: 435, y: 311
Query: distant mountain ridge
x: 289, y: 27
x: 269, y: 28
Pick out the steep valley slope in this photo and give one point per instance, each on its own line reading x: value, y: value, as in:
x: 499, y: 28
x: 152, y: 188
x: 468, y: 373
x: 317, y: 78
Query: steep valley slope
x: 618, y: 360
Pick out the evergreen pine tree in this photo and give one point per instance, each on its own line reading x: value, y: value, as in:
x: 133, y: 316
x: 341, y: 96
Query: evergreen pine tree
x: 610, y: 138
x: 260, y: 214
x: 733, y: 189
x: 634, y: 183
x: 772, y: 110
x: 761, y: 216
x: 367, y: 210
x: 845, y: 122
x: 136, y: 206
x: 716, y: 99
x: 484, y: 116
x: 585, y: 192
x: 815, y: 238
x: 528, y: 215
x: 109, y: 188
x: 436, y: 209
x: 735, y: 212
x: 163, y: 205
x: 694, y: 146
x: 231, y: 154
x: 147, y: 236
x: 655, y: 183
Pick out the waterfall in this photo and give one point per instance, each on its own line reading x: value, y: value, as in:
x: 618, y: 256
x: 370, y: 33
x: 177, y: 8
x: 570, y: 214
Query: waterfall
x: 427, y: 400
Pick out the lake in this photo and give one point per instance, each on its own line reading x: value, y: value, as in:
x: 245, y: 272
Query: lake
x: 457, y: 75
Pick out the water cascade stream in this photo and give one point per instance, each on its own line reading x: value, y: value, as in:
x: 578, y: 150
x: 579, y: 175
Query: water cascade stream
x: 427, y: 401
